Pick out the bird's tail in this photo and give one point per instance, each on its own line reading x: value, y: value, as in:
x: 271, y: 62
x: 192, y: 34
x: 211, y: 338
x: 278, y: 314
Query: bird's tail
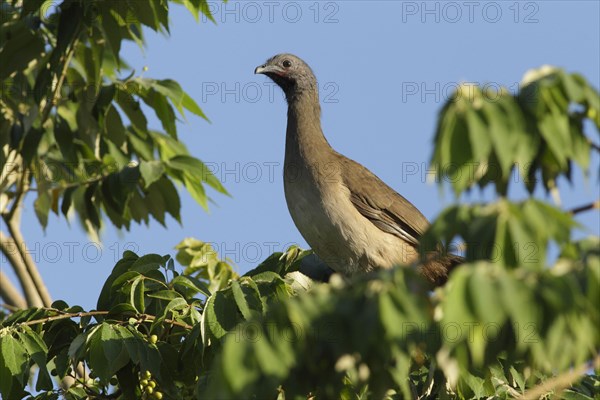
x: 437, y: 266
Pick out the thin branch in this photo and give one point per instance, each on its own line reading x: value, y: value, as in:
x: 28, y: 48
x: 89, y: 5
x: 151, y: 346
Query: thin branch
x: 89, y: 181
x: 22, y: 188
x: 15, y: 231
x: 11, y: 308
x: 8, y: 176
x: 63, y: 315
x: 56, y: 93
x: 10, y: 294
x: 587, y: 207
x: 10, y: 250
x: 24, y: 259
x: 560, y: 382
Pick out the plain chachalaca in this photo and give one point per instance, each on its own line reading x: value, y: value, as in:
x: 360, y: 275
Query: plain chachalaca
x: 353, y: 221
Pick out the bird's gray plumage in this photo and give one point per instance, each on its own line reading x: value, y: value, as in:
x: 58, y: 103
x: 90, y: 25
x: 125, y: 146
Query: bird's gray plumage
x: 353, y: 221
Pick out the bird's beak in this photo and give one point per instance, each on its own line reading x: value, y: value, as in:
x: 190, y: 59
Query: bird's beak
x: 268, y: 69
x: 261, y: 69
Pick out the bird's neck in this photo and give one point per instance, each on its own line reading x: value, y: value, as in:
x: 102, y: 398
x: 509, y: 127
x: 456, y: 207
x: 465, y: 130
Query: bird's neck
x: 304, y: 138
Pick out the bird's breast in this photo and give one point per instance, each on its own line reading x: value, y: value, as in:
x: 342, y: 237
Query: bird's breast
x: 320, y: 206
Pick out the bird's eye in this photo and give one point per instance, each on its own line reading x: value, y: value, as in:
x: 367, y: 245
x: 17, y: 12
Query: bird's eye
x: 287, y: 63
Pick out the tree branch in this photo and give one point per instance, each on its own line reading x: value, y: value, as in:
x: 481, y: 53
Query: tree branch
x: 10, y: 250
x: 12, y: 217
x: 10, y: 308
x: 56, y: 93
x: 587, y: 207
x: 15, y: 232
x: 77, y: 184
x: 560, y: 382
x: 22, y: 188
x: 144, y: 317
x: 10, y: 294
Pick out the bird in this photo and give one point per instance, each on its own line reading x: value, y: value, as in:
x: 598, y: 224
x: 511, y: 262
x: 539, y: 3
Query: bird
x: 352, y: 220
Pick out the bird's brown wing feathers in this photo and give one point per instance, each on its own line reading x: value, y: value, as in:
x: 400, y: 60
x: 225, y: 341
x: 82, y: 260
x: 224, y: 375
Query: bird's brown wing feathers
x: 392, y: 213
x: 380, y: 204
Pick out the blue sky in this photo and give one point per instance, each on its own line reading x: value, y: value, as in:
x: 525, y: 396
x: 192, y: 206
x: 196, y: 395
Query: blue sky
x: 384, y: 70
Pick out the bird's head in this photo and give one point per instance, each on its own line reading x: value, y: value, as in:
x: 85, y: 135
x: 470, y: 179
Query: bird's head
x: 290, y: 73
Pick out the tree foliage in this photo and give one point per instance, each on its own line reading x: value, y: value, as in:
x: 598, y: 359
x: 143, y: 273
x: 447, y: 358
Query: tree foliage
x: 512, y: 322
x: 74, y: 128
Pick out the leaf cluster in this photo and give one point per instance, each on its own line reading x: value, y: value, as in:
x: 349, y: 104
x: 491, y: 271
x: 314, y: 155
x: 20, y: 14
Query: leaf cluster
x: 150, y: 319
x: 74, y: 116
x: 488, y: 136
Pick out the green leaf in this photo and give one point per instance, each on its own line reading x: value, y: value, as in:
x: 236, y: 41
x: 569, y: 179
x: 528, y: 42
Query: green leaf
x: 37, y: 350
x: 164, y: 295
x: 191, y: 283
x: 98, y: 361
x: 42, y: 206
x: 13, y: 358
x: 111, y: 31
x: 220, y: 314
x: 554, y: 130
x: 170, y: 197
x: 196, y: 190
x: 145, y: 14
x: 131, y: 108
x: 240, y: 300
x: 136, y: 294
x: 77, y: 347
x: 478, y: 136
x: 196, y: 170
x: 113, y: 126
x: 163, y: 111
x: 171, y: 89
x: 113, y: 346
x: 192, y: 106
x: 151, y: 171
x: 20, y: 49
x: 147, y: 263
x: 572, y: 88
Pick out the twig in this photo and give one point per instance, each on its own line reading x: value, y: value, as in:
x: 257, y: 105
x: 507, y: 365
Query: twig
x: 60, y: 187
x: 22, y: 188
x: 56, y: 93
x: 587, y: 207
x: 64, y: 315
x: 559, y: 382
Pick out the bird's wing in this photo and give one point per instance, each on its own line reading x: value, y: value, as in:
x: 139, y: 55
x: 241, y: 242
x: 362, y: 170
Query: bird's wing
x: 380, y: 204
